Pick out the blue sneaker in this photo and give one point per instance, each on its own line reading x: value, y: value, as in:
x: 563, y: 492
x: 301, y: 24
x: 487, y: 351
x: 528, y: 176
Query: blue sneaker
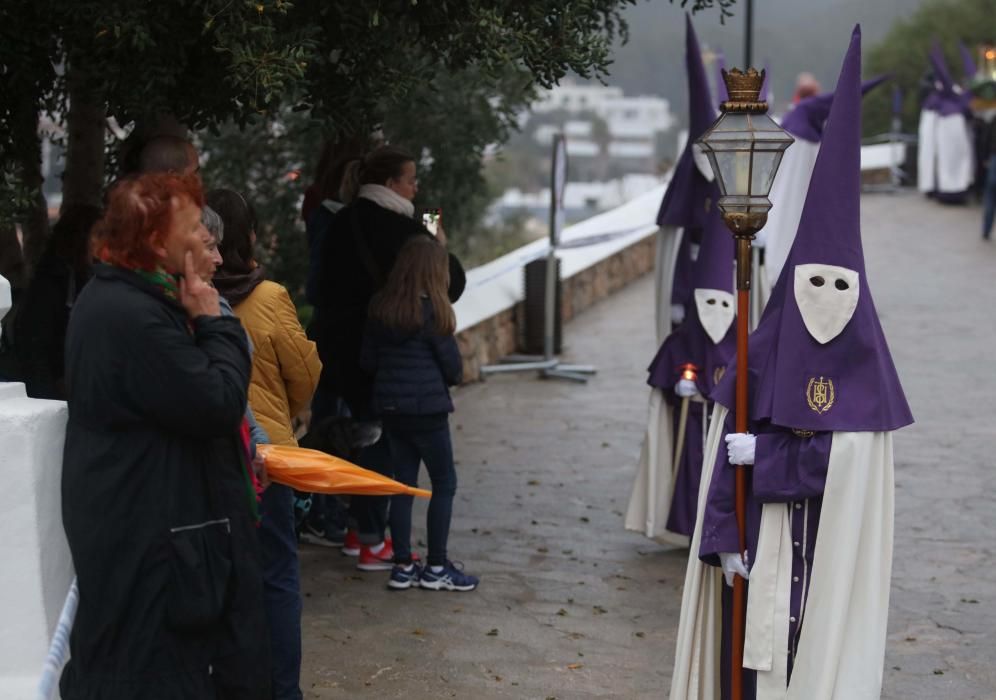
x: 404, y: 576
x: 451, y: 578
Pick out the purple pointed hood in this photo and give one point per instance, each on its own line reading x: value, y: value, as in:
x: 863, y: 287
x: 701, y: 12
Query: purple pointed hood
x: 805, y: 121
x: 967, y: 62
x: 721, y: 93
x: 850, y: 382
x: 765, y: 86
x: 690, y: 343
x: 946, y: 98
x: 686, y: 195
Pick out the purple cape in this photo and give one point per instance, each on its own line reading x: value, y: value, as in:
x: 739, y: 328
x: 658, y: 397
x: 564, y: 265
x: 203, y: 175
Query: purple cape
x: 805, y: 120
x: 788, y: 369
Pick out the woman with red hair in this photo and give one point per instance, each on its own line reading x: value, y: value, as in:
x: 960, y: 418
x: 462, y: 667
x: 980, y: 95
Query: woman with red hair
x: 158, y: 503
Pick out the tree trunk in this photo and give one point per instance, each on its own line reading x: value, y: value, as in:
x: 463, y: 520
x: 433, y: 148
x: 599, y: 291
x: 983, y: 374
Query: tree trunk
x: 86, y: 123
x: 34, y: 225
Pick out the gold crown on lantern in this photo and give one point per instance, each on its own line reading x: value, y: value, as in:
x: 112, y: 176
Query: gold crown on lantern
x: 744, y: 90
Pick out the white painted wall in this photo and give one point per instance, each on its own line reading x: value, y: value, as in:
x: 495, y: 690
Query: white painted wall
x: 36, y: 568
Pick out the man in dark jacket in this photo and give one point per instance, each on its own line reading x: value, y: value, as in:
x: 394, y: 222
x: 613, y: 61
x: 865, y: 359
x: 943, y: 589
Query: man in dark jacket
x: 157, y: 503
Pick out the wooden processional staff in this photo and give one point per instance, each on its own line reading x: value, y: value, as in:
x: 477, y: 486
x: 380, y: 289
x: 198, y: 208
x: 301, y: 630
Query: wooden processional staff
x: 744, y: 147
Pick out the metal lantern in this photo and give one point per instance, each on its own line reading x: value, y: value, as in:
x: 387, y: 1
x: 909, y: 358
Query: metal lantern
x: 744, y: 147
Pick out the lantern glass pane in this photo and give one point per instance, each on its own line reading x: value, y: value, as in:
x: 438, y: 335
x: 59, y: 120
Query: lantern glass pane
x: 735, y: 170
x: 765, y: 167
x: 745, y: 151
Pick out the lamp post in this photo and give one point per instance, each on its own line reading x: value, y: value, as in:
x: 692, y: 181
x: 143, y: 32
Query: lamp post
x: 744, y: 147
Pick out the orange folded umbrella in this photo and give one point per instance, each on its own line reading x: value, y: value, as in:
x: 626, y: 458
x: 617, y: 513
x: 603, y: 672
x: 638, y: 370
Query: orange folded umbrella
x: 317, y: 472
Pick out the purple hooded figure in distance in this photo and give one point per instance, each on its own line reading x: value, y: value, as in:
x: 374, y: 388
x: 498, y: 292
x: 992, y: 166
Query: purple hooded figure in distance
x: 824, y: 399
x: 684, y: 208
x: 688, y: 365
x: 945, y: 159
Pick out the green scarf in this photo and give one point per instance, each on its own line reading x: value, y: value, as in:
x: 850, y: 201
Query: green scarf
x: 161, y: 280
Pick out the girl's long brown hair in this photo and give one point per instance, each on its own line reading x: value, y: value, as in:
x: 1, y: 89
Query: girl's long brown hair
x: 421, y: 269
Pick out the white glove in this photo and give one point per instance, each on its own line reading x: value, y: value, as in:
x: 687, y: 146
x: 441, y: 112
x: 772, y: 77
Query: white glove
x: 740, y: 448
x: 732, y: 563
x: 685, y: 388
x: 677, y: 314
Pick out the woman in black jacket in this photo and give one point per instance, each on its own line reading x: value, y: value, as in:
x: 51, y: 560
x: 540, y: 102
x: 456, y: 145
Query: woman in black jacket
x: 158, y: 501
x: 357, y: 254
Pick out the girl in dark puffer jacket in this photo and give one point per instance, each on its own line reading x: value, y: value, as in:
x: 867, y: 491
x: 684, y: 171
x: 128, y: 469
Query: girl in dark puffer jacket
x: 410, y: 350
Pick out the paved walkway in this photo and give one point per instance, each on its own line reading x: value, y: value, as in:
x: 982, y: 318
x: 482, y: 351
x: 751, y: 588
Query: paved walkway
x: 572, y: 606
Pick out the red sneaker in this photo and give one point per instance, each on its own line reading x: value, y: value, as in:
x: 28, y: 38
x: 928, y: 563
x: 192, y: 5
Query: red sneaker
x: 351, y: 545
x: 381, y: 561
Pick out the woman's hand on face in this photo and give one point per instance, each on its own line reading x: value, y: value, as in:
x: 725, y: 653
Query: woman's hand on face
x: 197, y: 296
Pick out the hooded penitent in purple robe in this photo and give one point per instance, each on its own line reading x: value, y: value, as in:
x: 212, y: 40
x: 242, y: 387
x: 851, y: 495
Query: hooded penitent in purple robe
x: 689, y: 205
x: 824, y: 397
x: 967, y: 64
x: 685, y: 205
x: 945, y: 160
x: 704, y: 342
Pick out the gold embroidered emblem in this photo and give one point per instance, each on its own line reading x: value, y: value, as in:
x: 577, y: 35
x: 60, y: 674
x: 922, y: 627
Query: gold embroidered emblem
x: 803, y: 433
x: 820, y: 394
x: 718, y: 373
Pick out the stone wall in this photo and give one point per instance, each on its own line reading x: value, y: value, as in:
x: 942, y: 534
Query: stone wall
x: 488, y: 341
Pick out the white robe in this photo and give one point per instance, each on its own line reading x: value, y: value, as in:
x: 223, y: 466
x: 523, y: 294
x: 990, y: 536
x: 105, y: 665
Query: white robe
x: 842, y: 644
x: 760, y: 290
x: 697, y: 650
x: 788, y: 195
x: 945, y: 160
x: 653, y: 489
x: 668, y: 242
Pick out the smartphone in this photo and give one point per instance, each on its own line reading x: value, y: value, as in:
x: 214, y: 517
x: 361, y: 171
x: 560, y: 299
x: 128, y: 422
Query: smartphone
x: 431, y: 218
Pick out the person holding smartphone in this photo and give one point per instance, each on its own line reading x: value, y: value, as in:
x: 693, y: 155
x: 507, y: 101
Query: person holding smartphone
x: 357, y: 255
x: 432, y: 219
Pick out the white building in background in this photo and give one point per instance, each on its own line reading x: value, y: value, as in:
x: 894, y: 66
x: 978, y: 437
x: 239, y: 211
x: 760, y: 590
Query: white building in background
x: 632, y: 124
x: 581, y: 199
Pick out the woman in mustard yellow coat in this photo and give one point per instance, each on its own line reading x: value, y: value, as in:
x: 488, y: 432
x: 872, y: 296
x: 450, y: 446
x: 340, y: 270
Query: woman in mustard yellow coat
x: 285, y: 371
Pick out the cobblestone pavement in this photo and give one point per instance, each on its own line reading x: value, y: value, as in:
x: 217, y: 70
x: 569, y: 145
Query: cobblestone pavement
x: 572, y: 606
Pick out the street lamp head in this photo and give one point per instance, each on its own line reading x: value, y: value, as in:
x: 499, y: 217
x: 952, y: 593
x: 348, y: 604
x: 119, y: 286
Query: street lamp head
x: 744, y: 147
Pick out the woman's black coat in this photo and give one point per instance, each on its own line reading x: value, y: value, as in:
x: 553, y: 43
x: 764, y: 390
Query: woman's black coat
x: 346, y: 283
x: 155, y: 504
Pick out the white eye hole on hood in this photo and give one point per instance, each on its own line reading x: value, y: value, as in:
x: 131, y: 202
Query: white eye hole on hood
x: 716, y: 312
x: 827, y: 296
